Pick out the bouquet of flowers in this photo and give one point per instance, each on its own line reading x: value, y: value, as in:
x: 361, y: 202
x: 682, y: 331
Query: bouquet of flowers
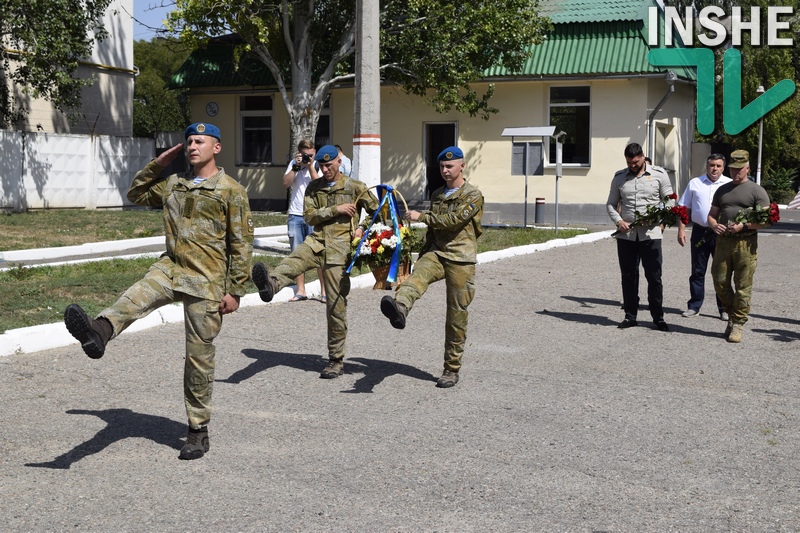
x: 751, y: 215
x: 661, y: 214
x: 759, y: 215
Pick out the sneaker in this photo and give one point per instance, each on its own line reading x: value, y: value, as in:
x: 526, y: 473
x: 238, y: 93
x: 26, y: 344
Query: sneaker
x: 395, y: 312
x: 448, y: 379
x: 661, y: 325
x: 264, y: 282
x: 689, y: 313
x: 197, y: 444
x: 334, y: 369
x: 724, y: 316
x: 736, y: 333
x: 93, y: 334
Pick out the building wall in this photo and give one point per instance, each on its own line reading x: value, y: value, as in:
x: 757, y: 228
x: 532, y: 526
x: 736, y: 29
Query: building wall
x: 620, y: 109
x: 108, y: 103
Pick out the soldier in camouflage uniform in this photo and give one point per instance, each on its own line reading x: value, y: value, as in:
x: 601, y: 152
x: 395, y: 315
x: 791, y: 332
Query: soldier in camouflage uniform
x: 209, y: 238
x: 449, y: 253
x: 330, y: 206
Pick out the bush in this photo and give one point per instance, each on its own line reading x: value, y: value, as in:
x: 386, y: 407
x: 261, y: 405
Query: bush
x: 780, y: 184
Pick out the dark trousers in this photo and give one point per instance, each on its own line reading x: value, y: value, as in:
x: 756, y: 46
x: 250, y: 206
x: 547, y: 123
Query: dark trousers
x: 700, y: 257
x: 630, y: 254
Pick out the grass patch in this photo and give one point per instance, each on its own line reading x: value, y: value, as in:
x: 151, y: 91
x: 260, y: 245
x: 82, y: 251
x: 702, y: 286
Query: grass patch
x: 51, y: 228
x: 39, y: 295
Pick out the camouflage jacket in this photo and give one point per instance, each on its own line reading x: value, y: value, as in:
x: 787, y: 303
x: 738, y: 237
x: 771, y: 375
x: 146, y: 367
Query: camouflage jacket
x: 333, y: 232
x: 208, y: 227
x: 454, y: 224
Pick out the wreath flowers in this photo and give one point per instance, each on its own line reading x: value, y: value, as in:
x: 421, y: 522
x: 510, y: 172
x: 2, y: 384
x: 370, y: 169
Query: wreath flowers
x: 663, y: 213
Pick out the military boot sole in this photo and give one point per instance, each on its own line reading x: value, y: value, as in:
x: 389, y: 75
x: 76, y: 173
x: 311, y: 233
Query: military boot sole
x: 79, y: 325
x: 392, y: 312
x: 261, y: 279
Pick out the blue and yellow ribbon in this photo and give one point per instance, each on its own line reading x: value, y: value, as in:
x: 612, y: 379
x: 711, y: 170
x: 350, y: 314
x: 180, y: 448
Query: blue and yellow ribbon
x: 388, y: 207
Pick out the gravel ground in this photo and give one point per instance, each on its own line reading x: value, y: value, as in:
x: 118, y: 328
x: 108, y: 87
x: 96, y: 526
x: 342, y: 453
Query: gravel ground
x: 561, y: 421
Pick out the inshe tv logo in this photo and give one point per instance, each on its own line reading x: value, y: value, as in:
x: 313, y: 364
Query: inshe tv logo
x: 735, y: 118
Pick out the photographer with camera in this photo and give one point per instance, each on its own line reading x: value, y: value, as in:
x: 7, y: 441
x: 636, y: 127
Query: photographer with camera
x: 300, y: 172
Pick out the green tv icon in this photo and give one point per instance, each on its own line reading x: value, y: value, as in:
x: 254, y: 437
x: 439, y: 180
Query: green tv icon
x: 735, y: 118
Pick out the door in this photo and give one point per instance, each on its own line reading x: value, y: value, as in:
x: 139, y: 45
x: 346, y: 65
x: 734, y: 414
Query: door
x: 438, y: 136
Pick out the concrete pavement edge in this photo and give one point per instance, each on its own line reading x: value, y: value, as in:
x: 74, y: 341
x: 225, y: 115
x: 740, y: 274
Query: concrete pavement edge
x: 47, y: 336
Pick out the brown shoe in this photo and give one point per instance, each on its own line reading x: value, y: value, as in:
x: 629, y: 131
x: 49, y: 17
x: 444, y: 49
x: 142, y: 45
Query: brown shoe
x: 93, y: 334
x: 197, y: 444
x: 736, y: 333
x: 448, y: 379
x: 728, y: 329
x: 334, y: 369
x: 266, y: 284
x: 395, y: 312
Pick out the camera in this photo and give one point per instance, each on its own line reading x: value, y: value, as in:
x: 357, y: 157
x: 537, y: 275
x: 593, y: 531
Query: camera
x: 307, y: 158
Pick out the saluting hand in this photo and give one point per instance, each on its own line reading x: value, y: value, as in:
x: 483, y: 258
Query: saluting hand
x: 169, y: 156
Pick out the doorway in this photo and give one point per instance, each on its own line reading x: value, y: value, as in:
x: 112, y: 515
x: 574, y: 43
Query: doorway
x: 438, y: 136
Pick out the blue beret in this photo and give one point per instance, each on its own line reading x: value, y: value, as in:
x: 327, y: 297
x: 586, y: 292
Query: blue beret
x: 453, y: 152
x: 327, y: 153
x: 201, y: 128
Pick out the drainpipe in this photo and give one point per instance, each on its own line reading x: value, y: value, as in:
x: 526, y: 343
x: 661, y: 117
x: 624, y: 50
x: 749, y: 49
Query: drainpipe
x: 651, y: 130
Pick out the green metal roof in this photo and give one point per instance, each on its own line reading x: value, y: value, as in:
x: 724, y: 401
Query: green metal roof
x: 592, y: 38
x: 215, y: 66
x: 571, y: 11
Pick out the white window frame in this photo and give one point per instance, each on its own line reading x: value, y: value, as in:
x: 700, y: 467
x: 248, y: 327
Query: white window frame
x: 242, y: 115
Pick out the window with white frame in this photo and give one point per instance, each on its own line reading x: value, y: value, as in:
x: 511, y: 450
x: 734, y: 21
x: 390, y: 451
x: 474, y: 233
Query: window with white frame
x: 255, y: 118
x: 570, y: 109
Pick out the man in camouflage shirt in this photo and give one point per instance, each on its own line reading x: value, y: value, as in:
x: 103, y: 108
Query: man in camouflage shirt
x: 450, y: 253
x: 331, y: 205
x: 209, y: 238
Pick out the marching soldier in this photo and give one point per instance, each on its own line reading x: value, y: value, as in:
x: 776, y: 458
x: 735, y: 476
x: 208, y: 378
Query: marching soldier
x: 449, y: 253
x: 209, y: 237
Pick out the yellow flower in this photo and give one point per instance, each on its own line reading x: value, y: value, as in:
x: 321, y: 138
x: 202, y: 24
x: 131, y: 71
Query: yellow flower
x: 380, y: 250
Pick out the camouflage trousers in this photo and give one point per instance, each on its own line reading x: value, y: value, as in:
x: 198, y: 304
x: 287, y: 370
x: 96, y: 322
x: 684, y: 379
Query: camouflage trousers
x: 302, y: 259
x: 202, y: 322
x: 735, y: 260
x: 459, y: 281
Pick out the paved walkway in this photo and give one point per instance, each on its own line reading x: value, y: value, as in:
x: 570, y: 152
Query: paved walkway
x: 561, y: 421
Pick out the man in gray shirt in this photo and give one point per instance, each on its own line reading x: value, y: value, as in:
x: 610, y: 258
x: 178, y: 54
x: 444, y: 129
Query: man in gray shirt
x: 633, y: 189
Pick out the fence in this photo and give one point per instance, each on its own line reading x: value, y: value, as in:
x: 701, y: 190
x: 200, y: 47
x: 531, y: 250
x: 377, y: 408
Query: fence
x: 47, y: 170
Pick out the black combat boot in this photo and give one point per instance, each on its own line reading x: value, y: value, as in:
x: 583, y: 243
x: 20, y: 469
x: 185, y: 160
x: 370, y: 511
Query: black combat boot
x: 395, y: 312
x: 197, y: 444
x: 93, y: 334
x: 266, y: 284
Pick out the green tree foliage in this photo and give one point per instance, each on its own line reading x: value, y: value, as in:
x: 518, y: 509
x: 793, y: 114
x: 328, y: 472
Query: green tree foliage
x: 43, y: 40
x: 432, y: 48
x: 156, y: 108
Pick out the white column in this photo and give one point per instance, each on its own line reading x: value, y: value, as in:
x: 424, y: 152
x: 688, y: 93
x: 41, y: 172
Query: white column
x: 367, y: 126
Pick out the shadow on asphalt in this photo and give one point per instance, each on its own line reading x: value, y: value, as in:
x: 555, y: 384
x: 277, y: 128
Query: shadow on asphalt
x: 374, y: 371
x: 122, y: 424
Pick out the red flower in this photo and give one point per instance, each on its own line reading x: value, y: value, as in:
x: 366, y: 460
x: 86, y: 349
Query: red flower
x: 681, y: 211
x: 774, y: 213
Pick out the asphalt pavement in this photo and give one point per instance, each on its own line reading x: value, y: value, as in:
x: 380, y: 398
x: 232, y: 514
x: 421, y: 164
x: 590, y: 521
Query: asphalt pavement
x: 561, y: 421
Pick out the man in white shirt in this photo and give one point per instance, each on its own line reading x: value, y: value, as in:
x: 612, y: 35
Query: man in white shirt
x: 346, y: 167
x: 697, y: 199
x: 300, y: 172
